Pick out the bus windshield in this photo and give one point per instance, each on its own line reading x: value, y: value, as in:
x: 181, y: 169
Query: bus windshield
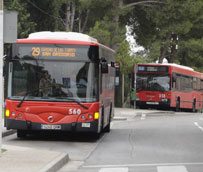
x: 153, y: 82
x: 48, y: 80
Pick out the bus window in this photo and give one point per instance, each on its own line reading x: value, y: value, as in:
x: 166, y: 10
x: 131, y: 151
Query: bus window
x: 153, y: 82
x: 174, y: 80
x: 178, y: 83
x: 201, y: 84
x: 194, y: 83
x: 198, y: 84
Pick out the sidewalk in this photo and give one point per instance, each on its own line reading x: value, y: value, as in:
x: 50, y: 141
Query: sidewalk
x: 120, y: 112
x: 23, y: 159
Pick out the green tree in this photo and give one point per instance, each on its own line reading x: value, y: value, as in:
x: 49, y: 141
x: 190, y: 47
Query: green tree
x: 165, y: 26
x: 45, y: 14
x: 123, y: 56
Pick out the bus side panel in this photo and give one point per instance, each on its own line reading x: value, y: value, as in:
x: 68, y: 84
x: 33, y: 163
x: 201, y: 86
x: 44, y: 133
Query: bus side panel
x: 186, y: 99
x: 107, y: 97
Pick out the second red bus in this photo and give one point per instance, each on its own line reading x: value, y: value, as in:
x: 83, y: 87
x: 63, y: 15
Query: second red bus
x: 165, y: 86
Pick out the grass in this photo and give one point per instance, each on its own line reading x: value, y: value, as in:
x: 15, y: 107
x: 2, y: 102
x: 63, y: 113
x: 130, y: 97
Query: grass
x: 3, y: 150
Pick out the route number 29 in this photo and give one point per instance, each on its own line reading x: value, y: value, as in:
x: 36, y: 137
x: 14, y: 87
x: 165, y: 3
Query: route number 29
x: 35, y: 51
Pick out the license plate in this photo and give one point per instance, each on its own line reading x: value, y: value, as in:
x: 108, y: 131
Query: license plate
x: 152, y: 103
x: 50, y: 127
x: 87, y: 125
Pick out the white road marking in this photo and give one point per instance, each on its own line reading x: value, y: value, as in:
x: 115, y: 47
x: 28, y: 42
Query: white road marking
x: 113, y: 170
x: 171, y: 169
x: 143, y: 116
x: 196, y: 123
x: 142, y: 165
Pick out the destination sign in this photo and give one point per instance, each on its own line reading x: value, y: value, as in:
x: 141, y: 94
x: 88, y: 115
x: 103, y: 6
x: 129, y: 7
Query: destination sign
x: 152, y: 68
x: 49, y: 51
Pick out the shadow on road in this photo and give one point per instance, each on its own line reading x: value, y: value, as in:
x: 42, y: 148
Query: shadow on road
x: 62, y: 136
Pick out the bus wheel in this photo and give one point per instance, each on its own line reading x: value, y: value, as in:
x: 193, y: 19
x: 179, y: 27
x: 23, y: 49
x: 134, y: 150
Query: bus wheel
x: 102, y: 122
x: 21, y: 133
x: 97, y: 135
x: 177, y: 105
x: 194, y: 106
x: 108, y: 127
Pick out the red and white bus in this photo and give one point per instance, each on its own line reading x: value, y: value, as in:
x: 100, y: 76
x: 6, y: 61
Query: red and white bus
x: 59, y: 81
x: 168, y: 86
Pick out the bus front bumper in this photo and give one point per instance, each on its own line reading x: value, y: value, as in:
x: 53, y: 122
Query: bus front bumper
x: 91, y: 126
x: 145, y: 104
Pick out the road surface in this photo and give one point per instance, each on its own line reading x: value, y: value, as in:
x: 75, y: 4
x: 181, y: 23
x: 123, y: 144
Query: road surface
x: 159, y: 142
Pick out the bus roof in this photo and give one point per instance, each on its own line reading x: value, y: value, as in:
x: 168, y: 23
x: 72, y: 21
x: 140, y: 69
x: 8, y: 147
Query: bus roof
x: 74, y: 36
x: 171, y: 64
x: 47, y: 37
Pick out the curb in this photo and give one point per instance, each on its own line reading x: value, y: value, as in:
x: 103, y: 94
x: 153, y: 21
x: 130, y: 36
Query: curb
x: 119, y: 118
x: 56, y: 164
x: 156, y: 113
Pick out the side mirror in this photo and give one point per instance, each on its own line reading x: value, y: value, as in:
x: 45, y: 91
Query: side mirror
x: 4, y: 65
x: 4, y: 57
x: 104, y: 66
x: 117, y: 67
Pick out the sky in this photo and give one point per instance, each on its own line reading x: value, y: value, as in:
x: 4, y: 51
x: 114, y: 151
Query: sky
x: 133, y: 45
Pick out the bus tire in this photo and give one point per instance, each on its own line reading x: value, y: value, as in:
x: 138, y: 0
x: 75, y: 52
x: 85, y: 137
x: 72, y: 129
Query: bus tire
x: 194, y: 106
x: 102, y: 121
x: 21, y: 133
x: 178, y: 105
x: 108, y: 127
x: 98, y: 134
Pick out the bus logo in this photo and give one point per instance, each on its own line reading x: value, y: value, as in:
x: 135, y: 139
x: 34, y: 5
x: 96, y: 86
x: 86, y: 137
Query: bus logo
x: 51, y: 119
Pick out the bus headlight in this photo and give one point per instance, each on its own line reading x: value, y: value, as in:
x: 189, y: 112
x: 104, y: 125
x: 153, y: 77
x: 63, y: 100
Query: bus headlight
x: 137, y: 99
x: 96, y: 115
x: 13, y: 114
x: 90, y: 116
x: 164, y: 100
x: 7, y: 113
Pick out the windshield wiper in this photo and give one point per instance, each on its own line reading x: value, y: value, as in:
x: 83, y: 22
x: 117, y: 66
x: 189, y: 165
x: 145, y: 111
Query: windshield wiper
x: 29, y: 93
x: 85, y: 107
x: 73, y: 100
x: 19, y: 104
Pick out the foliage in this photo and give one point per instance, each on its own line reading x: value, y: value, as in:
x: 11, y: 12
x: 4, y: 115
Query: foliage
x: 125, y: 59
x: 101, y: 33
x: 45, y: 14
x: 104, y: 32
x: 25, y: 25
x: 160, y: 28
x: 190, y: 53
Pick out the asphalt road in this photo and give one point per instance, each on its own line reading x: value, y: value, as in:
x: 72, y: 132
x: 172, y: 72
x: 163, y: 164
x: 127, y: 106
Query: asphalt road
x: 163, y: 142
